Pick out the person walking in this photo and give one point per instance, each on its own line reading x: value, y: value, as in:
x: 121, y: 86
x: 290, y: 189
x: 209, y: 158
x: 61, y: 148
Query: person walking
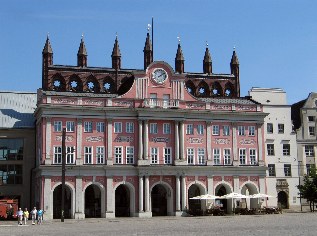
x: 25, y: 215
x: 33, y: 215
x: 20, y: 216
x: 39, y: 216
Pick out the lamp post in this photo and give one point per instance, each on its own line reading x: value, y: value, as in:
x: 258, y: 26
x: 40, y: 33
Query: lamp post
x: 63, y: 173
x: 300, y: 195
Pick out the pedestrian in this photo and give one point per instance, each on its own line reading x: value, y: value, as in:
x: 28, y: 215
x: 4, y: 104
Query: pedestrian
x: 25, y: 215
x: 20, y: 216
x: 33, y: 215
x: 39, y: 216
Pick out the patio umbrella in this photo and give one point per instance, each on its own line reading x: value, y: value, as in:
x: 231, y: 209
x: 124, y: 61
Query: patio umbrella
x: 209, y: 197
x: 260, y: 195
x: 234, y: 195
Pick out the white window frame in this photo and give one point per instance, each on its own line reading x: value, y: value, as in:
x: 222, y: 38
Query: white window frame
x: 58, y: 126
x: 118, y: 154
x: 311, y: 130
x: 88, y: 126
x: 216, y: 155
x: 190, y: 156
x: 57, y: 154
x: 129, y: 154
x: 100, y: 155
x: 70, y: 126
x: 153, y: 128
x: 167, y: 155
x: 129, y: 127
x: 70, y: 155
x: 154, y: 155
x: 117, y: 127
x: 227, y: 156
x: 269, y: 128
x: 287, y: 170
x: 280, y: 128
x: 200, y: 129
x: 251, y: 130
x: 309, y: 150
x: 189, y: 129
x: 272, y: 171
x: 201, y: 155
x: 286, y: 151
x: 241, y: 130
x: 166, y: 128
x: 88, y: 154
x: 215, y: 129
x: 100, y: 126
x: 226, y: 130
x: 253, y: 156
x: 270, y: 149
x: 242, y: 156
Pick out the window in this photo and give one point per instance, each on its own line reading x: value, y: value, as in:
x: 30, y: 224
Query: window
x: 88, y: 155
x: 190, y: 156
x: 269, y: 128
x: 241, y: 130
x: 189, y: 129
x: 242, y: 156
x: 70, y: 155
x: 118, y: 155
x: 226, y: 130
x: 130, y: 155
x: 280, y: 128
x: 200, y: 129
x: 251, y: 130
x: 215, y: 130
x: 88, y: 126
x: 270, y: 149
x: 57, y: 126
x: 117, y: 127
x: 286, y: 150
x: 167, y: 156
x: 309, y: 151
x: 166, y: 128
x: 11, y: 149
x: 216, y: 152
x: 201, y: 156
x: 252, y: 156
x: 271, y: 169
x: 309, y: 168
x: 154, y: 155
x: 70, y: 126
x: 129, y: 127
x: 57, y: 155
x: 311, y: 118
x: 153, y: 128
x: 287, y: 170
x: 100, y: 127
x: 311, y: 130
x: 227, y: 157
x: 10, y: 174
x: 100, y: 155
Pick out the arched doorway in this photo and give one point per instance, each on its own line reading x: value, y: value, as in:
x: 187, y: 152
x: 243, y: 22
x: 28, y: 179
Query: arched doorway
x: 249, y: 189
x: 57, y: 202
x: 282, y: 200
x: 92, y: 201
x: 194, y: 205
x: 223, y: 203
x: 122, y: 201
x: 159, y: 200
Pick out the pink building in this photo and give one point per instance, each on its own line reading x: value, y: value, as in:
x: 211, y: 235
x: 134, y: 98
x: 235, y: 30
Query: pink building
x: 142, y: 142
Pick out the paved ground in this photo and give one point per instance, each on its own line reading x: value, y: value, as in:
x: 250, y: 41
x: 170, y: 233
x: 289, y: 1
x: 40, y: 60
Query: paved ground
x: 273, y: 225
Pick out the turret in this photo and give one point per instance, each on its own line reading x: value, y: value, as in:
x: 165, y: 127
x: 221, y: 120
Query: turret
x: 148, y: 53
x: 179, y: 59
x: 234, y: 66
x: 116, y: 55
x: 47, y: 60
x: 207, y: 62
x: 82, y: 54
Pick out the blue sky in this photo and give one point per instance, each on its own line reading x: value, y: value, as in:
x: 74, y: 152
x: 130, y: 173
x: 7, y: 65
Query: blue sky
x: 276, y: 40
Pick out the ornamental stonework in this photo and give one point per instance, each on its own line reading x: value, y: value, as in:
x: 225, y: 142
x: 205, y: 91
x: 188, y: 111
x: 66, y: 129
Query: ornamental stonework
x: 68, y: 138
x: 247, y: 142
x: 195, y: 140
x: 122, y: 139
x: 94, y: 139
x: 222, y: 141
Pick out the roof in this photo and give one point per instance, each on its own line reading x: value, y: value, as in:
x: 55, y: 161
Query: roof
x: 16, y: 109
x: 80, y: 94
x: 242, y: 100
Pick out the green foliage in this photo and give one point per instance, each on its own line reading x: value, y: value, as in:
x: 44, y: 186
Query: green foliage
x: 308, y: 190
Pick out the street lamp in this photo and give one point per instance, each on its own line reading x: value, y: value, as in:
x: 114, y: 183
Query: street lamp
x: 63, y: 173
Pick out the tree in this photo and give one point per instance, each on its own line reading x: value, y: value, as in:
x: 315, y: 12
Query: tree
x: 308, y: 190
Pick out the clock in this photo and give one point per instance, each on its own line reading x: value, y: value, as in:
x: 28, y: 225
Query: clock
x: 159, y: 76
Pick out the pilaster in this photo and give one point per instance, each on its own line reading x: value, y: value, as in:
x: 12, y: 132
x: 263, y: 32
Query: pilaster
x: 79, y: 203
x: 235, y: 145
x: 48, y: 198
x: 109, y: 138
x: 209, y: 152
x: 79, y: 129
x: 48, y: 137
x: 110, y: 212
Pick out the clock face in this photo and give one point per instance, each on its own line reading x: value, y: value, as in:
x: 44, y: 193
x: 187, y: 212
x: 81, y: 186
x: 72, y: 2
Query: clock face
x: 159, y: 75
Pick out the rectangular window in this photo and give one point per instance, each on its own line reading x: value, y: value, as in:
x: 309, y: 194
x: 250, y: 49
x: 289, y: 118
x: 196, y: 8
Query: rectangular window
x: 129, y: 155
x: 252, y: 157
x: 287, y: 170
x: 251, y: 130
x: 216, y: 153
x: 201, y: 156
x: 311, y: 130
x: 88, y: 126
x: 70, y: 126
x: 10, y: 174
x: 100, y: 127
x: 167, y: 156
x: 309, y: 168
x: 286, y: 150
x: 57, y: 126
x: 309, y: 151
x: 241, y: 130
x: 242, y: 156
x: 200, y: 129
x: 154, y: 155
x: 57, y: 155
x: 166, y: 128
x: 226, y: 130
x: 311, y: 118
x: 270, y: 149
x: 227, y: 157
x: 117, y: 127
x: 118, y: 155
x: 271, y: 169
x: 11, y: 149
x: 153, y: 128
x: 215, y: 130
x: 129, y: 127
x: 88, y: 155
x: 100, y: 155
x: 190, y: 156
x: 70, y: 155
x: 269, y: 128
x: 189, y: 129
x: 280, y: 128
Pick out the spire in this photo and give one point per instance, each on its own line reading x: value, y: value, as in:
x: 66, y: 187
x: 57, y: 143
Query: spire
x: 234, y: 58
x: 179, y: 59
x: 207, y: 63
x: 116, y: 55
x: 47, y: 47
x: 234, y: 66
x: 47, y: 60
x: 148, y: 53
x: 82, y: 53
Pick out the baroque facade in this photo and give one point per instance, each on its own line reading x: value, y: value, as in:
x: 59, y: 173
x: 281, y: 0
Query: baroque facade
x: 142, y: 142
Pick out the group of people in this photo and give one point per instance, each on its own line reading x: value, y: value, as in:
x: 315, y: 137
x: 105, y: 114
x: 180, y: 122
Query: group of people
x: 36, y: 216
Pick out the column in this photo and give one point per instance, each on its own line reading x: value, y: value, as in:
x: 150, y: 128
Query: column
x: 234, y: 145
x: 147, y: 194
x: 183, y: 187
x: 181, y: 141
x: 109, y: 140
x: 208, y: 133
x: 178, y: 193
x: 48, y: 198
x: 79, y: 160
x: 236, y: 187
x: 48, y: 135
x: 110, y: 201
x: 176, y: 141
x: 260, y: 145
x: 140, y: 140
x: 140, y: 193
x: 210, y: 185
x: 79, y: 203
x: 146, y: 139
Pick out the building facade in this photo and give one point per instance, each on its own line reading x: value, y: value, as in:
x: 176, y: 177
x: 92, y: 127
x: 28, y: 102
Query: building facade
x: 142, y: 142
x: 280, y: 148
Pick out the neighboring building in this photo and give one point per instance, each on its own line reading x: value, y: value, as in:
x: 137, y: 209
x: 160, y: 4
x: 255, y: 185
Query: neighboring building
x: 142, y: 142
x: 280, y: 147
x: 17, y: 146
